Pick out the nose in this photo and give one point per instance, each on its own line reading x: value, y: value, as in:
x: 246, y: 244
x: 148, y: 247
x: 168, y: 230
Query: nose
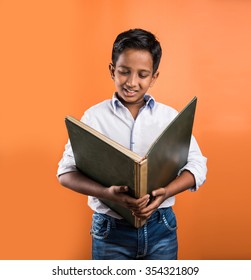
x: 132, y: 81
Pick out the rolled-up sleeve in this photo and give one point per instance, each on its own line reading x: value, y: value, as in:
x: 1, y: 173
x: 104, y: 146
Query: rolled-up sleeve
x: 67, y: 163
x: 196, y: 164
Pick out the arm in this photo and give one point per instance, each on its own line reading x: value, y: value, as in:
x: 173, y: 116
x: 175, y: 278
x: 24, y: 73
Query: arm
x: 70, y: 177
x: 191, y: 177
x: 80, y: 183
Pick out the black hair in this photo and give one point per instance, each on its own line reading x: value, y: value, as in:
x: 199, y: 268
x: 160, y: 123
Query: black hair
x: 137, y: 39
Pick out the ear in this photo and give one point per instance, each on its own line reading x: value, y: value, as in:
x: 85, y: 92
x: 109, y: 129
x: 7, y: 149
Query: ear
x: 154, y: 78
x: 111, y: 69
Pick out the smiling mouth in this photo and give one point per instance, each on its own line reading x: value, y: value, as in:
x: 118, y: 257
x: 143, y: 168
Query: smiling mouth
x: 130, y: 92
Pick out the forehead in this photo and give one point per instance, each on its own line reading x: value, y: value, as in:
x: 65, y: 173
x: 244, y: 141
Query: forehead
x: 133, y: 58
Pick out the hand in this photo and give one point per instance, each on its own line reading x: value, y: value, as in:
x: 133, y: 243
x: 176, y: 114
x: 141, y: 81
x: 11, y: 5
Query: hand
x: 159, y: 195
x: 181, y: 183
x: 118, y: 194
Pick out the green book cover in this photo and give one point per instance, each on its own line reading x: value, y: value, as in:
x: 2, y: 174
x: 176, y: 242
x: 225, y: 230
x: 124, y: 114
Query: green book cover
x: 110, y: 163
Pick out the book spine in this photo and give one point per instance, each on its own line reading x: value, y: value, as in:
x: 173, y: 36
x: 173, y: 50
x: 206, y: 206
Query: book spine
x: 140, y: 186
x: 143, y: 178
x: 140, y: 178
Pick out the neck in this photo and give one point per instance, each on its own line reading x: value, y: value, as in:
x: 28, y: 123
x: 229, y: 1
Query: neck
x: 133, y: 107
x: 138, y: 103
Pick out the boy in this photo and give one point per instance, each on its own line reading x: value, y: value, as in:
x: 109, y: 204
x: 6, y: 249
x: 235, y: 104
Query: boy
x: 134, y: 119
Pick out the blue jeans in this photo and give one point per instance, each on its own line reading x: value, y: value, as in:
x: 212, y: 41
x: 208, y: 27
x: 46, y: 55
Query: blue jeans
x: 114, y: 239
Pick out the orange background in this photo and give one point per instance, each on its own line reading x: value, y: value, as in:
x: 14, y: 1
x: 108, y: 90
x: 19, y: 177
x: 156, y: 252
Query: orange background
x: 54, y: 57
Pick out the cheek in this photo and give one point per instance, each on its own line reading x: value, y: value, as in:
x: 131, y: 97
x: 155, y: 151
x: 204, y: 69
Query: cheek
x: 119, y: 80
x: 146, y: 84
x: 151, y: 82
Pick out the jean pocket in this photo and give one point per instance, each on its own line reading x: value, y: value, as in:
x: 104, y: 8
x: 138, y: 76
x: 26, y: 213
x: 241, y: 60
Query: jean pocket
x: 100, y: 226
x: 169, y: 220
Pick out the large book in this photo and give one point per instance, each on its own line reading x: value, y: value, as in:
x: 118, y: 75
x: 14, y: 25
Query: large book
x: 110, y: 163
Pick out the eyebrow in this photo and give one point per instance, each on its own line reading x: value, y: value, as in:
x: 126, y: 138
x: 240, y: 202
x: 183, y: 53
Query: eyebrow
x: 126, y: 67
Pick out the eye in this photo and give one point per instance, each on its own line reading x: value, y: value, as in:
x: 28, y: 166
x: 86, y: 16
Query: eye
x: 143, y: 75
x: 124, y: 73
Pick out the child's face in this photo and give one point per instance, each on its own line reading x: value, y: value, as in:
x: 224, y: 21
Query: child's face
x: 133, y: 75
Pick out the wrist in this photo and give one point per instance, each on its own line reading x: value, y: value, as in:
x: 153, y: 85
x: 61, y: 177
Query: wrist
x: 104, y: 193
x: 167, y: 193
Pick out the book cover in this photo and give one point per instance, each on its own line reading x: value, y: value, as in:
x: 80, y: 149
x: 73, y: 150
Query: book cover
x: 110, y: 163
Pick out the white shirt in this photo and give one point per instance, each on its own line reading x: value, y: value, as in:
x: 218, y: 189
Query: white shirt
x: 114, y: 120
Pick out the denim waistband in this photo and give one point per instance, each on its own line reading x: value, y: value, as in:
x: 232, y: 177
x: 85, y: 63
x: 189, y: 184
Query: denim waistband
x: 157, y: 215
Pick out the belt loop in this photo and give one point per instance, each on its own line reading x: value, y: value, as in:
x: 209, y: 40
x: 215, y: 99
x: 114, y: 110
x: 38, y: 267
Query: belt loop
x: 160, y: 213
x: 113, y: 222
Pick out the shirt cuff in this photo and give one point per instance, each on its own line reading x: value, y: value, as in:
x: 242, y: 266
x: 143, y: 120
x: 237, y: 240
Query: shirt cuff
x: 199, y: 175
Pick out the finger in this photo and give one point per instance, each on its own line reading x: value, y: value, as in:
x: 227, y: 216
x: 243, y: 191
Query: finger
x: 143, y: 199
x: 138, y: 201
x: 148, y: 209
x: 138, y: 218
x: 143, y: 216
x: 143, y: 203
x: 137, y: 204
x: 123, y: 189
x: 144, y: 212
x: 120, y: 189
x: 138, y: 208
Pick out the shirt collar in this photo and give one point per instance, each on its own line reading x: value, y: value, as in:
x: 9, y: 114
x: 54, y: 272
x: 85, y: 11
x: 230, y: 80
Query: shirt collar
x: 150, y: 101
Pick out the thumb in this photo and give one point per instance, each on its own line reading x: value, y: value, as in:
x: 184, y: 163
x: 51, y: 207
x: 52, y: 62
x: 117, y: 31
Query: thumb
x: 159, y: 191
